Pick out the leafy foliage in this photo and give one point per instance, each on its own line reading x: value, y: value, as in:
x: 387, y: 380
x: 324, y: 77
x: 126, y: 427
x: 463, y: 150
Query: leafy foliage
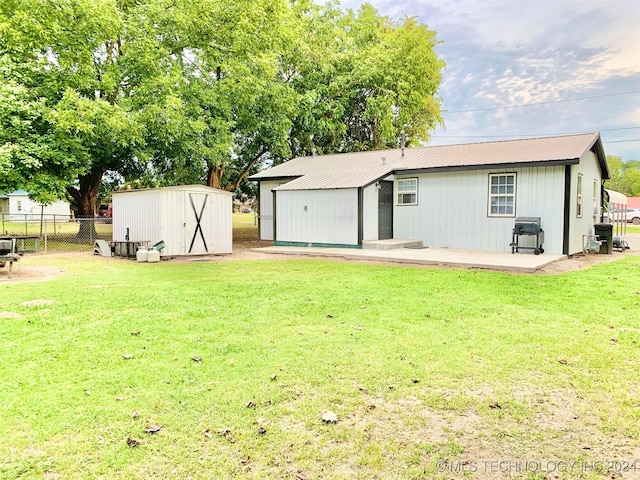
x: 174, y: 91
x: 625, y: 176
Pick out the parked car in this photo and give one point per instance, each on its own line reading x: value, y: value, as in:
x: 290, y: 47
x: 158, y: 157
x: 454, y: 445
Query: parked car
x: 632, y: 215
x: 105, y: 212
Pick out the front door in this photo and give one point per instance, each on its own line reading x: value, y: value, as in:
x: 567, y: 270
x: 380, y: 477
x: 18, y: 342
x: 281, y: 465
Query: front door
x: 385, y: 210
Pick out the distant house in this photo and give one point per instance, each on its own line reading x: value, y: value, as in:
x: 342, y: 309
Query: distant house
x: 17, y: 206
x: 459, y: 196
x: 633, y: 202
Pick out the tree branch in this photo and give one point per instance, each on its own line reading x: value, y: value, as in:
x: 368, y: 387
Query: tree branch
x: 244, y: 173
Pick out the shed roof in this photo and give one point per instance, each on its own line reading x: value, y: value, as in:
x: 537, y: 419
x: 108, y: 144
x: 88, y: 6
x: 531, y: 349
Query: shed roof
x: 352, y: 170
x: 192, y: 188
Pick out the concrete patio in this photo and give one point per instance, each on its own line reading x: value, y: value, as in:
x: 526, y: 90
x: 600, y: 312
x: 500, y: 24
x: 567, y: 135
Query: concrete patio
x: 519, y: 262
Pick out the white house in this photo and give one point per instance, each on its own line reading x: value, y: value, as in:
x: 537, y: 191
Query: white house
x: 189, y: 219
x: 459, y: 196
x: 17, y: 206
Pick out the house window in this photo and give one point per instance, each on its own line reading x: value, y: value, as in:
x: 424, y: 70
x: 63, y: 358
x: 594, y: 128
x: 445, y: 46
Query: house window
x: 19, y: 205
x: 407, y: 191
x: 596, y: 209
x: 502, y: 194
x: 579, y: 197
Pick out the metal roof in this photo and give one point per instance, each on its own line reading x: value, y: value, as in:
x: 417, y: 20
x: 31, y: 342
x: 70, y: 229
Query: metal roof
x: 338, y: 179
x: 201, y: 188
x: 352, y: 170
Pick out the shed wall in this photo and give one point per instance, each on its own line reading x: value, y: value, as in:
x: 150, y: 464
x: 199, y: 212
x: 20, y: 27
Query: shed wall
x: 591, y: 201
x: 265, y: 208
x: 139, y: 211
x: 317, y: 216
x: 370, y: 213
x: 181, y: 210
x: 452, y: 209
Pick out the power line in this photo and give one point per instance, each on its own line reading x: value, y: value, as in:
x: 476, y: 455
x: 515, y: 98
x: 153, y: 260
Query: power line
x: 543, y: 103
x: 534, y: 134
x: 623, y: 141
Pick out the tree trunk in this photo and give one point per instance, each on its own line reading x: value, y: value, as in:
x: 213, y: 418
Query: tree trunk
x: 84, y: 199
x: 214, y: 176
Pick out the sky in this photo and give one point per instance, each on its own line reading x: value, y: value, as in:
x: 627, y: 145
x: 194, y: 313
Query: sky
x: 578, y: 59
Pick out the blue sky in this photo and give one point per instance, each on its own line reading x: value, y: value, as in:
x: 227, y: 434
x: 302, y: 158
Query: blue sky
x: 502, y: 53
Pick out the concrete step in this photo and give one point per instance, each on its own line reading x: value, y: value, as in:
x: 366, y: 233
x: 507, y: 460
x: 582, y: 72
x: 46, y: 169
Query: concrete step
x: 391, y: 244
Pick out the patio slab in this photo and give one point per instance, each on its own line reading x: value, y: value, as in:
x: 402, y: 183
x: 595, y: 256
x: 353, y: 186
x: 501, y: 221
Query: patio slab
x: 519, y: 262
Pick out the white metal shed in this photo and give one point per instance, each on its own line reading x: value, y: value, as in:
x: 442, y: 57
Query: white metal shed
x: 189, y: 219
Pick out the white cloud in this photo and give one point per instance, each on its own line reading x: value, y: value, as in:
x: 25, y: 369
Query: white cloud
x: 510, y: 52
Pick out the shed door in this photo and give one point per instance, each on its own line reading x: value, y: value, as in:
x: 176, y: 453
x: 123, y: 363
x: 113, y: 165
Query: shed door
x: 385, y: 210
x: 196, y: 218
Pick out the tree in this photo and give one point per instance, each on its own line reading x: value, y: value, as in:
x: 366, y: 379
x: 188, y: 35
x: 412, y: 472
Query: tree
x: 625, y: 176
x: 74, y: 49
x: 329, y: 81
x: 220, y: 107
x: 33, y: 155
x: 176, y: 91
x: 364, y: 82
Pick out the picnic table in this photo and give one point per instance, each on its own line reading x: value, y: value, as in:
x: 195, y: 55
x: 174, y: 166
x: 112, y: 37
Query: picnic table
x: 8, y: 252
x: 23, y: 240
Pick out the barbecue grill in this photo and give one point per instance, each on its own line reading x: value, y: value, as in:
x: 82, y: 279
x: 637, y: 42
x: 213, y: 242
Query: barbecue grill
x: 527, y: 226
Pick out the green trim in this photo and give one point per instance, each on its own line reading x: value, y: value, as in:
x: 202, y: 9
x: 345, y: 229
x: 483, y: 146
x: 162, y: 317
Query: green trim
x: 283, y: 243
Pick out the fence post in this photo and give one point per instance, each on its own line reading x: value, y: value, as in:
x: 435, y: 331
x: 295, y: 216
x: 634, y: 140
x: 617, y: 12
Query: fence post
x: 46, y: 234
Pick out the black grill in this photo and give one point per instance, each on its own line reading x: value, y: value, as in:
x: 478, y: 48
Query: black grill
x: 527, y: 226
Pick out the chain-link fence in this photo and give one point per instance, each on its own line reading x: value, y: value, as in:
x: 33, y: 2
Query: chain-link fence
x: 65, y: 233
x: 55, y: 233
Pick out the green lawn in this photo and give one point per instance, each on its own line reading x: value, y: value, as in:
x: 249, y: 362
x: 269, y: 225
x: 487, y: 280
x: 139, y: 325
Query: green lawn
x: 238, y: 361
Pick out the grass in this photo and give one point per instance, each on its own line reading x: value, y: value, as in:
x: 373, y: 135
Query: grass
x: 422, y: 366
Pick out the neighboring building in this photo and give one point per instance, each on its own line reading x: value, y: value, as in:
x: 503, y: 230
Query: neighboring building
x: 17, y: 206
x: 189, y: 219
x: 633, y: 202
x: 459, y: 196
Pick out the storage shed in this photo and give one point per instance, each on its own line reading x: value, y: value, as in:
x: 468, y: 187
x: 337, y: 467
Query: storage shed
x: 189, y: 219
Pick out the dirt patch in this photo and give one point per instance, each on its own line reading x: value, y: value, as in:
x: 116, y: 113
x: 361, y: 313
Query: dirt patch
x: 244, y: 250
x: 10, y: 315
x: 37, y: 303
x: 29, y: 273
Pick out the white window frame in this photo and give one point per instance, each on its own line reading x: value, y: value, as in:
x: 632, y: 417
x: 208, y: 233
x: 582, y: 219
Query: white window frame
x: 19, y: 205
x: 401, y: 192
x: 579, y: 206
x: 502, y: 193
x: 596, y: 207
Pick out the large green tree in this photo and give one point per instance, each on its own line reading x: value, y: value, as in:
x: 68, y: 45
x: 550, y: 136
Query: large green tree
x: 364, y: 81
x: 33, y: 155
x: 74, y: 50
x: 322, y: 80
x: 176, y: 91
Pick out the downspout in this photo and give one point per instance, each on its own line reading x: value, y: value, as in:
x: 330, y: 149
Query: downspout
x: 274, y: 216
x: 567, y: 210
x: 360, y: 215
